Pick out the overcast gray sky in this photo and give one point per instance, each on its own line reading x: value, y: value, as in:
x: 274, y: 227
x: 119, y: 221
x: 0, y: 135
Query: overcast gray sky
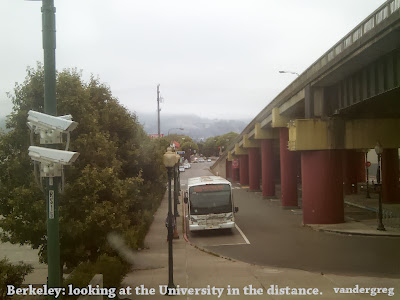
x: 214, y: 58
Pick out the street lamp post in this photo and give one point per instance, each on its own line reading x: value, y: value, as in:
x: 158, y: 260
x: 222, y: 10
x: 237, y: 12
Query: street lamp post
x: 176, y: 193
x: 379, y: 150
x: 176, y: 187
x: 169, y: 160
x: 290, y: 72
x: 367, y: 167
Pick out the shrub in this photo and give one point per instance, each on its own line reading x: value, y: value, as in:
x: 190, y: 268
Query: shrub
x: 112, y: 268
x: 11, y: 274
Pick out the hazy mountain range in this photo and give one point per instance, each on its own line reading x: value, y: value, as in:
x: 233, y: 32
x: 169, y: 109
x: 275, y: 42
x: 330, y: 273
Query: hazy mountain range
x: 194, y: 126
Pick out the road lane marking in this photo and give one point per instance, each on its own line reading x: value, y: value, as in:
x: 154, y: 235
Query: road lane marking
x: 243, y: 236
x: 228, y: 245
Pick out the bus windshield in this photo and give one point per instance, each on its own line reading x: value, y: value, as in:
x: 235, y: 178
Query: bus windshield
x: 210, y: 199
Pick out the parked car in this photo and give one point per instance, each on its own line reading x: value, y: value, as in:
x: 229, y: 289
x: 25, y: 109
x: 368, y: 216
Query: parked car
x: 186, y: 166
x: 209, y: 159
x: 181, y: 169
x: 201, y: 160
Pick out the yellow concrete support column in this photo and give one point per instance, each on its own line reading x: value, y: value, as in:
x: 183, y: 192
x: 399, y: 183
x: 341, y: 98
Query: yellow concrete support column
x: 230, y: 156
x: 263, y: 134
x: 239, y: 150
x: 248, y: 143
x: 278, y: 120
x: 308, y: 134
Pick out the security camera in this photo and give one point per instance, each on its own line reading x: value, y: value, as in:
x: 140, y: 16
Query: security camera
x: 50, y: 127
x: 42, y: 154
x: 51, y: 160
x: 45, y: 121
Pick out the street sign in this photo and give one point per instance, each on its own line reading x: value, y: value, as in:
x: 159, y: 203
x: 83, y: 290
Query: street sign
x: 180, y: 152
x: 235, y: 163
x: 368, y: 164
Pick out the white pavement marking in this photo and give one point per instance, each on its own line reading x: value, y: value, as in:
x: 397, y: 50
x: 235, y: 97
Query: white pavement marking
x: 241, y: 232
x: 229, y: 244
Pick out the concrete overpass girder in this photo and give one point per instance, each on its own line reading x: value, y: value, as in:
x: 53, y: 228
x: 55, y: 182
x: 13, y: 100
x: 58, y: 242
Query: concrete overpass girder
x: 316, y: 134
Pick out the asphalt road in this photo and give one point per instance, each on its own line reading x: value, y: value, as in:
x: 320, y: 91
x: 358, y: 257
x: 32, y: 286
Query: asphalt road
x: 271, y: 236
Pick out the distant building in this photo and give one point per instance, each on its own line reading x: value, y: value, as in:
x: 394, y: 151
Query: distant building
x: 175, y: 144
x: 155, y: 135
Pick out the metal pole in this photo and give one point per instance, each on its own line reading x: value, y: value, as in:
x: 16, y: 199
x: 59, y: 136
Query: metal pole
x: 381, y: 227
x: 158, y: 110
x: 170, y: 233
x: 176, y: 190
x: 366, y: 161
x: 50, y: 107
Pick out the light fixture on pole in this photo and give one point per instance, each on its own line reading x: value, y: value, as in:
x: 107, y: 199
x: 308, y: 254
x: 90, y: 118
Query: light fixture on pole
x: 290, y: 72
x: 379, y: 150
x: 169, y: 160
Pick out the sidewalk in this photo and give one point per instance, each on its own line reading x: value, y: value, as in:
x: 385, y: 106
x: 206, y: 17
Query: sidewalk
x: 195, y: 268
x: 366, y: 226
x: 363, y: 220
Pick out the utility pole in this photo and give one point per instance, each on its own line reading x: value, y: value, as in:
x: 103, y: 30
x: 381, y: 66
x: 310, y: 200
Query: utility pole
x: 50, y: 107
x: 158, y: 109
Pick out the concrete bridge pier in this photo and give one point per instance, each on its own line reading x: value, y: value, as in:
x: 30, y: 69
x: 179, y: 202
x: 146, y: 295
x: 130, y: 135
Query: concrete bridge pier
x: 360, y: 163
x: 289, y: 170
x: 351, y: 168
x: 322, y: 178
x: 244, y: 169
x: 235, y: 173
x: 254, y: 169
x: 228, y: 166
x: 267, y: 168
x: 390, y: 176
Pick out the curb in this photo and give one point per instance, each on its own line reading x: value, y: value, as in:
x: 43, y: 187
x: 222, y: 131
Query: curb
x: 395, y: 235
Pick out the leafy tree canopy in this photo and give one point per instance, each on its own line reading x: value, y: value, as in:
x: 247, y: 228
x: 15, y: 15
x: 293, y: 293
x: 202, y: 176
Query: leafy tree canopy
x: 213, y: 145
x: 118, y: 178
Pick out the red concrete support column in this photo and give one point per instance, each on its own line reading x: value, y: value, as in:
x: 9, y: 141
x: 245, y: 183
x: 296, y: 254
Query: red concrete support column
x: 322, y: 184
x: 360, y: 162
x: 390, y: 176
x: 244, y: 169
x: 235, y: 171
x: 350, y: 170
x: 289, y: 162
x: 267, y: 168
x: 254, y: 169
x: 228, y: 168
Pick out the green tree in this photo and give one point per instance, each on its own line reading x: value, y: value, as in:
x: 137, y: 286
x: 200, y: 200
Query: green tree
x: 114, y: 185
x: 213, y: 145
x: 223, y: 141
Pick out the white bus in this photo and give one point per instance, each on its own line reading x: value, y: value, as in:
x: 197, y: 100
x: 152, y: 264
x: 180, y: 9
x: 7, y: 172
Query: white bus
x: 210, y: 203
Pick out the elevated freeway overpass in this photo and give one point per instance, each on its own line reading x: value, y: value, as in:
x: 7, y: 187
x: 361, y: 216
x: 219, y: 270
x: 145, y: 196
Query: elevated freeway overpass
x: 317, y: 130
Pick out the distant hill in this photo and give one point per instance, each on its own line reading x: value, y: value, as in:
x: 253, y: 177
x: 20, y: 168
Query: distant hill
x: 196, y: 127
